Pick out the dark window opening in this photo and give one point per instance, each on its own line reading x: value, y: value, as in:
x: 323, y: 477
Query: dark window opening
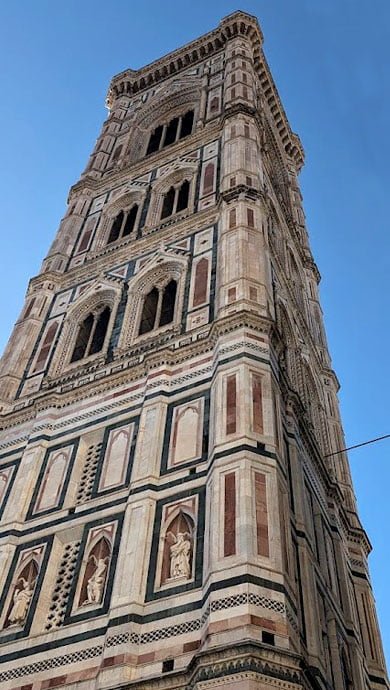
x: 91, y: 335
x: 158, y: 308
x: 130, y: 220
x: 171, y: 132
x: 168, y: 203
x: 168, y: 303
x: 186, y: 124
x: 123, y: 224
x: 116, y: 227
x: 164, y: 135
x: 149, y: 312
x: 100, y: 331
x: 168, y: 665
x: 182, y: 199
x: 155, y: 139
x: 267, y: 637
x: 82, y: 338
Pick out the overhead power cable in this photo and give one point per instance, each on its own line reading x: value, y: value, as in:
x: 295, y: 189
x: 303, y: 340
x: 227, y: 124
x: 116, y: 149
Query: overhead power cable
x: 358, y: 445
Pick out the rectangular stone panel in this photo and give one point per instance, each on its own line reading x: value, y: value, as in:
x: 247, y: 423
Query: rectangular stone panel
x: 231, y: 404
x: 261, y: 514
x: 229, y: 527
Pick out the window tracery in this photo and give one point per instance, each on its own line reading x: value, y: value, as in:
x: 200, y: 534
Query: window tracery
x: 91, y: 334
x: 164, y: 135
x: 158, y: 308
x: 86, y: 327
x: 175, y: 199
x: 155, y: 298
x: 123, y: 224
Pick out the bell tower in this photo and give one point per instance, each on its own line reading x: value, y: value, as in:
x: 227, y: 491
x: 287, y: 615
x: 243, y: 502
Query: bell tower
x: 173, y: 513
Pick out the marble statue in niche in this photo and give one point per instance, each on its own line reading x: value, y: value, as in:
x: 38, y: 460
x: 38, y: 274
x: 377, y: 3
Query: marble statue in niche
x: 95, y: 575
x: 21, y: 602
x: 22, y: 595
x: 180, y: 554
x: 178, y: 549
x: 96, y: 582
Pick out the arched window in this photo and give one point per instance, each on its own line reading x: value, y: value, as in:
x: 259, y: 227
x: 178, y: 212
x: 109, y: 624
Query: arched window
x: 155, y: 140
x: 168, y: 203
x: 168, y: 303
x: 158, y: 308
x: 187, y: 124
x: 91, y: 334
x: 123, y: 224
x: 149, y: 311
x: 182, y: 197
x: 175, y: 200
x: 171, y: 132
x: 164, y: 135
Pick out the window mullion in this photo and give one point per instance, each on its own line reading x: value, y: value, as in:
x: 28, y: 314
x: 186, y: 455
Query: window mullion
x: 162, y: 137
x: 175, y: 201
x: 159, y: 305
x: 125, y: 214
x: 95, y: 320
x: 179, y: 126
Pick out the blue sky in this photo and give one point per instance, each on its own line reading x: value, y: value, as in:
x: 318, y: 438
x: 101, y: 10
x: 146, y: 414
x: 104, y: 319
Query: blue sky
x: 330, y: 60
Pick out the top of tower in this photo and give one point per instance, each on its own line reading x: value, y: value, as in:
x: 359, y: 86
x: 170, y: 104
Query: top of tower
x: 130, y: 82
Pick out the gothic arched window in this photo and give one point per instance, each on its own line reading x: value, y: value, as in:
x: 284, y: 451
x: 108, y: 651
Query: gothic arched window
x: 149, y: 311
x: 164, y: 135
x: 175, y: 199
x: 168, y: 203
x: 182, y: 197
x: 123, y: 224
x: 91, y: 334
x: 158, y: 308
x: 187, y: 124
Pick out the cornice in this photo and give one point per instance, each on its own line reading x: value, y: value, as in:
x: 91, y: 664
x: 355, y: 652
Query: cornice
x: 129, y: 249
x: 130, y: 82
x: 143, y: 166
x: 87, y: 382
x: 240, y: 660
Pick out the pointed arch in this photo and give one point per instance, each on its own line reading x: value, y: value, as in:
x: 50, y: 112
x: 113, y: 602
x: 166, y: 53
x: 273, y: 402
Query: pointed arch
x: 22, y: 593
x: 151, y: 125
x: 173, y: 192
x: 178, y: 552
x: 87, y: 327
x: 120, y: 217
x: 95, y: 572
x: 155, y: 298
